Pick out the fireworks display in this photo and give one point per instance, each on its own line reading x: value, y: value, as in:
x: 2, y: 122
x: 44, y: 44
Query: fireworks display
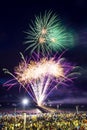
x: 40, y: 78
x: 26, y: 72
x: 46, y: 34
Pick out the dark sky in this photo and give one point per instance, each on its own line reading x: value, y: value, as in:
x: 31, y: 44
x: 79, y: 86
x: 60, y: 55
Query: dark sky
x: 14, y: 20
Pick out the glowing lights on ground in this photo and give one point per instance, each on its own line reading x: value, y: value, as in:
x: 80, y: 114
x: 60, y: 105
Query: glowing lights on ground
x: 25, y: 101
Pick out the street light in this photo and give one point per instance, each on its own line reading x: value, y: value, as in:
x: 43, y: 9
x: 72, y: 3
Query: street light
x: 25, y: 102
x: 77, y: 107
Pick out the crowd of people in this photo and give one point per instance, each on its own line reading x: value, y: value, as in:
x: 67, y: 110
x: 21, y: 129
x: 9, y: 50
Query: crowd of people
x: 44, y: 121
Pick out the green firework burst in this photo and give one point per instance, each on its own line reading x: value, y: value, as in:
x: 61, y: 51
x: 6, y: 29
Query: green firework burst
x: 46, y: 34
x: 60, y: 39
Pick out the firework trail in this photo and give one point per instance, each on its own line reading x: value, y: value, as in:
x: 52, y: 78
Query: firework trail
x: 46, y: 34
x: 40, y: 78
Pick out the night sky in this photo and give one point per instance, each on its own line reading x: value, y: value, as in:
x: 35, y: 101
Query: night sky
x: 15, y: 19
